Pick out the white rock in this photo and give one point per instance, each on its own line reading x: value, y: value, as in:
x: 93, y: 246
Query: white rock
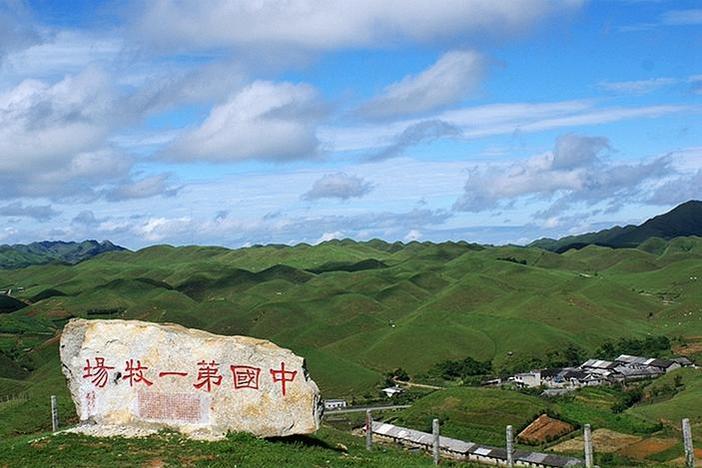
x: 147, y: 375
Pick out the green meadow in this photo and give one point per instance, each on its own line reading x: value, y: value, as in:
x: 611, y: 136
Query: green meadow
x: 357, y: 310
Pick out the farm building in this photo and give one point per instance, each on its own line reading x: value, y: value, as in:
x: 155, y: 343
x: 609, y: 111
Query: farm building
x: 334, y: 404
x: 392, y: 391
x: 570, y: 377
x: 664, y: 365
x: 594, y: 372
x: 628, y: 374
x: 599, y: 366
x: 527, y: 379
x: 683, y: 361
x: 468, y: 451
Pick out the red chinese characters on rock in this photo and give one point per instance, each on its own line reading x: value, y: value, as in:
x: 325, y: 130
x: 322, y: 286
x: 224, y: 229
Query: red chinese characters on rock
x: 98, y: 372
x: 172, y: 373
x: 135, y: 373
x: 245, y: 376
x: 282, y: 376
x: 208, y: 375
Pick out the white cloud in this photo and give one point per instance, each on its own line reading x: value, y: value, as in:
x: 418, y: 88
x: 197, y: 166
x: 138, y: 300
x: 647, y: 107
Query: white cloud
x: 682, y: 17
x: 43, y: 123
x: 157, y: 229
x: 143, y: 188
x: 16, y: 28
x: 413, y: 235
x: 339, y: 185
x: 63, y: 52
x: 452, y: 78
x: 484, y: 121
x: 327, y: 236
x: 333, y: 24
x: 53, y: 137
x: 572, y: 173
x: 41, y: 213
x: 7, y: 233
x: 265, y: 120
x: 636, y: 86
x: 678, y: 190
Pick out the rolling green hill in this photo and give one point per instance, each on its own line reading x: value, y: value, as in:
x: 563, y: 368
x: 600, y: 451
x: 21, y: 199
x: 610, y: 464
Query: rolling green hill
x: 357, y: 310
x: 683, y: 220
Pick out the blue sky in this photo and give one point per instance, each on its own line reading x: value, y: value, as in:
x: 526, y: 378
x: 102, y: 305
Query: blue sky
x: 236, y: 123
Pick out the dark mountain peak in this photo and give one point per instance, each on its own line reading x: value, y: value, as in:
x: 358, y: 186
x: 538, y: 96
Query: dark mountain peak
x: 683, y: 220
x: 39, y: 253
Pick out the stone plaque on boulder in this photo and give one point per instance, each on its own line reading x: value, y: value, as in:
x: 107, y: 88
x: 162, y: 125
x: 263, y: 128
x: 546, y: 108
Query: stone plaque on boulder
x: 127, y: 372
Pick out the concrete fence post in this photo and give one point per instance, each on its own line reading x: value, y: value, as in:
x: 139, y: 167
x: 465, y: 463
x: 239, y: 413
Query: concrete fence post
x: 587, y: 439
x: 510, y: 447
x: 369, y: 430
x: 54, y: 414
x: 687, y: 442
x: 435, y: 447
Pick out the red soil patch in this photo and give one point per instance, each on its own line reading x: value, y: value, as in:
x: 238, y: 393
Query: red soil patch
x: 647, y: 447
x: 543, y: 429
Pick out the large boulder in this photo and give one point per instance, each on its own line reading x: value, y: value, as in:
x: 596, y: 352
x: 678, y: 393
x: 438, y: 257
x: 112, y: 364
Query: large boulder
x: 148, y: 375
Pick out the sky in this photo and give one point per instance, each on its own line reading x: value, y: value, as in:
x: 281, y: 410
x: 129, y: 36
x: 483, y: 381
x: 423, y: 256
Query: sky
x: 237, y: 123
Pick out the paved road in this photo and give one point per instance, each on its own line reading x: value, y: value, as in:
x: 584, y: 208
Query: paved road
x: 358, y: 409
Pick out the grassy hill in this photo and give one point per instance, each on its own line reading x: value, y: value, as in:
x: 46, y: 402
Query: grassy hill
x: 357, y: 310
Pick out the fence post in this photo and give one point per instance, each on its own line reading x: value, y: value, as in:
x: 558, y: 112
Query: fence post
x: 687, y: 441
x: 587, y: 438
x: 54, y: 414
x: 435, y: 446
x: 510, y: 448
x: 369, y: 430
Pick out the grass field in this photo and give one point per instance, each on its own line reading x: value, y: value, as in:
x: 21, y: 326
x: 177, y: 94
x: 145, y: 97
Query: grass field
x: 327, y: 448
x: 358, y: 310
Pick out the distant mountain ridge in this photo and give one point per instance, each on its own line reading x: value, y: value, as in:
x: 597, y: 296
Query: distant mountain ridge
x: 40, y: 253
x: 683, y: 220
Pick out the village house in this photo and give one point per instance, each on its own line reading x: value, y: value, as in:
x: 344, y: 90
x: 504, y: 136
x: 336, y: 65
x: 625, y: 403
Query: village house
x: 334, y: 404
x: 638, y: 362
x: 392, y: 391
x: 595, y: 372
x: 527, y: 379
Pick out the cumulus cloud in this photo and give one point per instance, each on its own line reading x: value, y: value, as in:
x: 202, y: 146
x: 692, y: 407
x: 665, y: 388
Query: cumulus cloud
x: 265, y: 120
x: 16, y: 28
x: 339, y: 185
x: 160, y: 228
x: 331, y: 24
x: 421, y: 132
x: 52, y: 137
x: 41, y: 213
x: 413, y: 235
x: 86, y: 218
x: 678, y: 190
x: 327, y: 236
x: 452, y: 78
x: 143, y: 188
x: 572, y: 151
x: 573, y: 172
x: 312, y: 228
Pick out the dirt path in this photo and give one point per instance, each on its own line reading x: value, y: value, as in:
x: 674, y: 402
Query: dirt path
x: 418, y: 385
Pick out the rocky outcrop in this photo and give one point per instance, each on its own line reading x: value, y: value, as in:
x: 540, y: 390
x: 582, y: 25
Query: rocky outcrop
x: 147, y: 375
